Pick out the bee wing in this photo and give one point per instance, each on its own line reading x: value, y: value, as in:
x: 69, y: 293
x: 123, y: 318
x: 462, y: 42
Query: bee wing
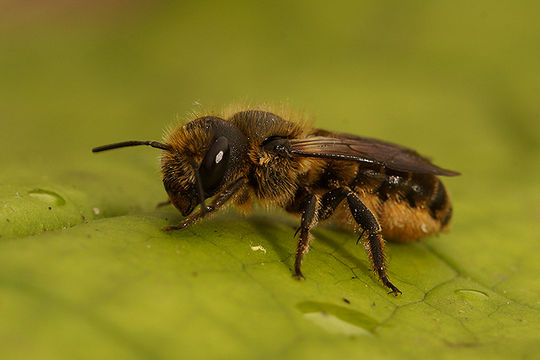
x: 366, y: 150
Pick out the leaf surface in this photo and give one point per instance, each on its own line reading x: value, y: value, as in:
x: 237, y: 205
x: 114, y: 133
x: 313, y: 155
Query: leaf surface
x: 86, y: 272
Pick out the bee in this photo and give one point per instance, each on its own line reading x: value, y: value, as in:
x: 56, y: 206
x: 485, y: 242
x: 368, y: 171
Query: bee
x: 383, y: 190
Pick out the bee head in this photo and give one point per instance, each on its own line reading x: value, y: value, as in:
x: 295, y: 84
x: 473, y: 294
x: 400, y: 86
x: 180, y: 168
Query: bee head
x: 207, y: 154
x: 199, y: 159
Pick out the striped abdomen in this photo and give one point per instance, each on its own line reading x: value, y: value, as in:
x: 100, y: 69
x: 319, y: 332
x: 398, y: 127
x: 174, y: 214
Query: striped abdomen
x: 407, y: 205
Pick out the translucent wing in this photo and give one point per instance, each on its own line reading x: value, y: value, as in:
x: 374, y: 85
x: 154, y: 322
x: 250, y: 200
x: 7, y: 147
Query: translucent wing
x: 339, y: 146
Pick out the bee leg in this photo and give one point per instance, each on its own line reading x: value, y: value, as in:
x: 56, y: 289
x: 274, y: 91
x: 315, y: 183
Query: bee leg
x: 309, y: 219
x: 314, y: 211
x: 163, y: 203
x: 218, y: 202
x: 374, y: 243
x: 329, y: 202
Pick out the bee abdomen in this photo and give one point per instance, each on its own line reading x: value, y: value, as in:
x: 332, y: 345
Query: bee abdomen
x: 420, y: 189
x: 409, y: 205
x: 394, y: 184
x: 440, y: 206
x: 439, y: 198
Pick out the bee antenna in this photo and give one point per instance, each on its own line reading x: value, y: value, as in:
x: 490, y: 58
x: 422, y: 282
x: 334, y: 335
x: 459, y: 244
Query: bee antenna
x: 153, y: 144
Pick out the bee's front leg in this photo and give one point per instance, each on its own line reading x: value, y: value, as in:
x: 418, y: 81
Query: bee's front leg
x: 190, y: 220
x: 220, y: 200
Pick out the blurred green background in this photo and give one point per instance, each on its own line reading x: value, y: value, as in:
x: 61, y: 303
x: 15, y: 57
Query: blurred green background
x: 85, y: 271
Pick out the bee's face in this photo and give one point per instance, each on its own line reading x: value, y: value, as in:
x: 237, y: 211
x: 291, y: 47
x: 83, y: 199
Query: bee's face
x: 207, y: 154
x: 179, y: 181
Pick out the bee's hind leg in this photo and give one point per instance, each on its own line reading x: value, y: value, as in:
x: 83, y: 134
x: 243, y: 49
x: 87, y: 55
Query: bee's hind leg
x: 374, y: 242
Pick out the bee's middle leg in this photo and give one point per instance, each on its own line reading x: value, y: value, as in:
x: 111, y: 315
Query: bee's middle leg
x: 309, y: 209
x: 313, y: 210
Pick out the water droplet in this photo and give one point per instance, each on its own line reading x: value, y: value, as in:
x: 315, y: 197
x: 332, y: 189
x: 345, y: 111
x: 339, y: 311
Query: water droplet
x: 49, y: 197
x: 472, y: 294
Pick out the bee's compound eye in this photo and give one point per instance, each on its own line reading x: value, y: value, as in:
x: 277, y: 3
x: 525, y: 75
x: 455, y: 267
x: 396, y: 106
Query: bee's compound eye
x: 214, y: 165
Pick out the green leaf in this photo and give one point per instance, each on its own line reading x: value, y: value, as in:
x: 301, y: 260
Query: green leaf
x: 86, y: 272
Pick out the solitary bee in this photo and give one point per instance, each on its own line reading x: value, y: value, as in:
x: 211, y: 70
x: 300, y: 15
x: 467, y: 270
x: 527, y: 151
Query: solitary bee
x: 385, y: 190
